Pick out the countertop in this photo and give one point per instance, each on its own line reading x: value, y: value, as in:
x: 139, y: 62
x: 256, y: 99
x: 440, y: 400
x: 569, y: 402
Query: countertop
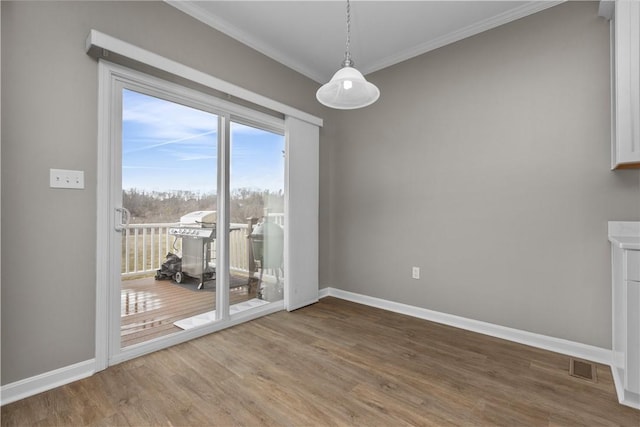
x: 626, y: 242
x: 625, y: 234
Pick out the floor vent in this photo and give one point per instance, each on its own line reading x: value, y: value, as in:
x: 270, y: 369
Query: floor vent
x: 582, y: 369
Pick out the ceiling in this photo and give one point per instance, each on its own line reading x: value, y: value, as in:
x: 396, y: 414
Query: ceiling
x: 310, y: 36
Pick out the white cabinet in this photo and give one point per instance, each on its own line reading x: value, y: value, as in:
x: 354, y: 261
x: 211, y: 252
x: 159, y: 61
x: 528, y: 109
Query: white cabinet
x: 625, y: 268
x: 633, y: 266
x: 625, y: 84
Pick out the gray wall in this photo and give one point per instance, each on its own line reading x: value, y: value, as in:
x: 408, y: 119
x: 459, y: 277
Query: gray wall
x: 486, y: 163
x: 49, y: 105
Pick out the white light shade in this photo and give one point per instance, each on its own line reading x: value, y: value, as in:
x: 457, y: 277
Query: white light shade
x: 347, y: 90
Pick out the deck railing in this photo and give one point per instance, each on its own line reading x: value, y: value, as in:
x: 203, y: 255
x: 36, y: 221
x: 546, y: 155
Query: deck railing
x: 145, y: 246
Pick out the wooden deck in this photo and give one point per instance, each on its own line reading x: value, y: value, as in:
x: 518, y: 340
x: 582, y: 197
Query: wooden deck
x: 149, y: 307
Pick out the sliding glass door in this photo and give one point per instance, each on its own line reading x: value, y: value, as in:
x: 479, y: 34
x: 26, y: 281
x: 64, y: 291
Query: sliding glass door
x: 197, y: 196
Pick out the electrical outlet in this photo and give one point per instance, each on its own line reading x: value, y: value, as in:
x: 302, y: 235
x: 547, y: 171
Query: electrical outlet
x: 415, y: 272
x: 62, y: 178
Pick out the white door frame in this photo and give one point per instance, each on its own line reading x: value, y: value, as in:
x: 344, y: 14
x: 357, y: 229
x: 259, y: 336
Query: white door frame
x: 112, y: 77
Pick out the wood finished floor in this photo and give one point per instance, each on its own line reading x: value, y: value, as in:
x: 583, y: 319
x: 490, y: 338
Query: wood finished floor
x: 149, y: 307
x: 334, y: 363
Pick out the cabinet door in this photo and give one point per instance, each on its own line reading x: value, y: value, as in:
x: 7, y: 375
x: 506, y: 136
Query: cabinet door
x: 626, y: 91
x: 619, y: 308
x: 633, y: 266
x: 632, y: 369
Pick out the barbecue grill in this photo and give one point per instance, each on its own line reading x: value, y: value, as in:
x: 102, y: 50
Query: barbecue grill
x: 197, y: 230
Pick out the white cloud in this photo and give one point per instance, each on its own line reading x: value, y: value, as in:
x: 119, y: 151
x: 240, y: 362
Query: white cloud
x: 171, y: 141
x: 165, y: 121
x: 186, y: 157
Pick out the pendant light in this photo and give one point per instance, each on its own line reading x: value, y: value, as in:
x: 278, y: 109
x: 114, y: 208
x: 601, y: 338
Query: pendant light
x: 347, y: 89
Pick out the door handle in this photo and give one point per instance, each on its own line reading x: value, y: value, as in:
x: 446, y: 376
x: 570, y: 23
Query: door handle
x: 125, y: 218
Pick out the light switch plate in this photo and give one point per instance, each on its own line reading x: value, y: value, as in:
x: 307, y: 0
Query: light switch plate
x: 62, y: 178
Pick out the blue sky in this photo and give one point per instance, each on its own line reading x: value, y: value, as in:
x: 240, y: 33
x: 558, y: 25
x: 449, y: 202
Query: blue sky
x: 167, y: 146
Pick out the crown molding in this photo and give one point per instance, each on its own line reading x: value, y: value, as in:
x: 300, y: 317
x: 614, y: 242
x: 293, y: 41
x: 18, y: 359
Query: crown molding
x: 526, y: 9
x: 201, y: 14
x: 198, y: 12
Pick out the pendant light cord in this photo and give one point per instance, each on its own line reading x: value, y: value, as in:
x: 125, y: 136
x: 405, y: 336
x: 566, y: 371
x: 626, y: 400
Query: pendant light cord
x: 347, y: 54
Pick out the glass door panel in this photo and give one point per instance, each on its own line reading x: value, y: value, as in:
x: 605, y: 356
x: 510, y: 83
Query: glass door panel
x: 169, y: 186
x: 257, y: 215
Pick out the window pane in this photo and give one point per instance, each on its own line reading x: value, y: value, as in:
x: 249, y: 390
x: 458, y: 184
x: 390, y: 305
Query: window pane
x: 169, y: 170
x: 257, y: 210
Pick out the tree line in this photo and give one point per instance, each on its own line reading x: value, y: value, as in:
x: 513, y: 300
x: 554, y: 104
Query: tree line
x: 168, y: 206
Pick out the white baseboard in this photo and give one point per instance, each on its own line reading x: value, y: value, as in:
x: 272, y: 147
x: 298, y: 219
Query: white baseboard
x: 46, y: 381
x: 31, y: 386
x: 49, y: 380
x: 557, y: 345
x: 625, y: 397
